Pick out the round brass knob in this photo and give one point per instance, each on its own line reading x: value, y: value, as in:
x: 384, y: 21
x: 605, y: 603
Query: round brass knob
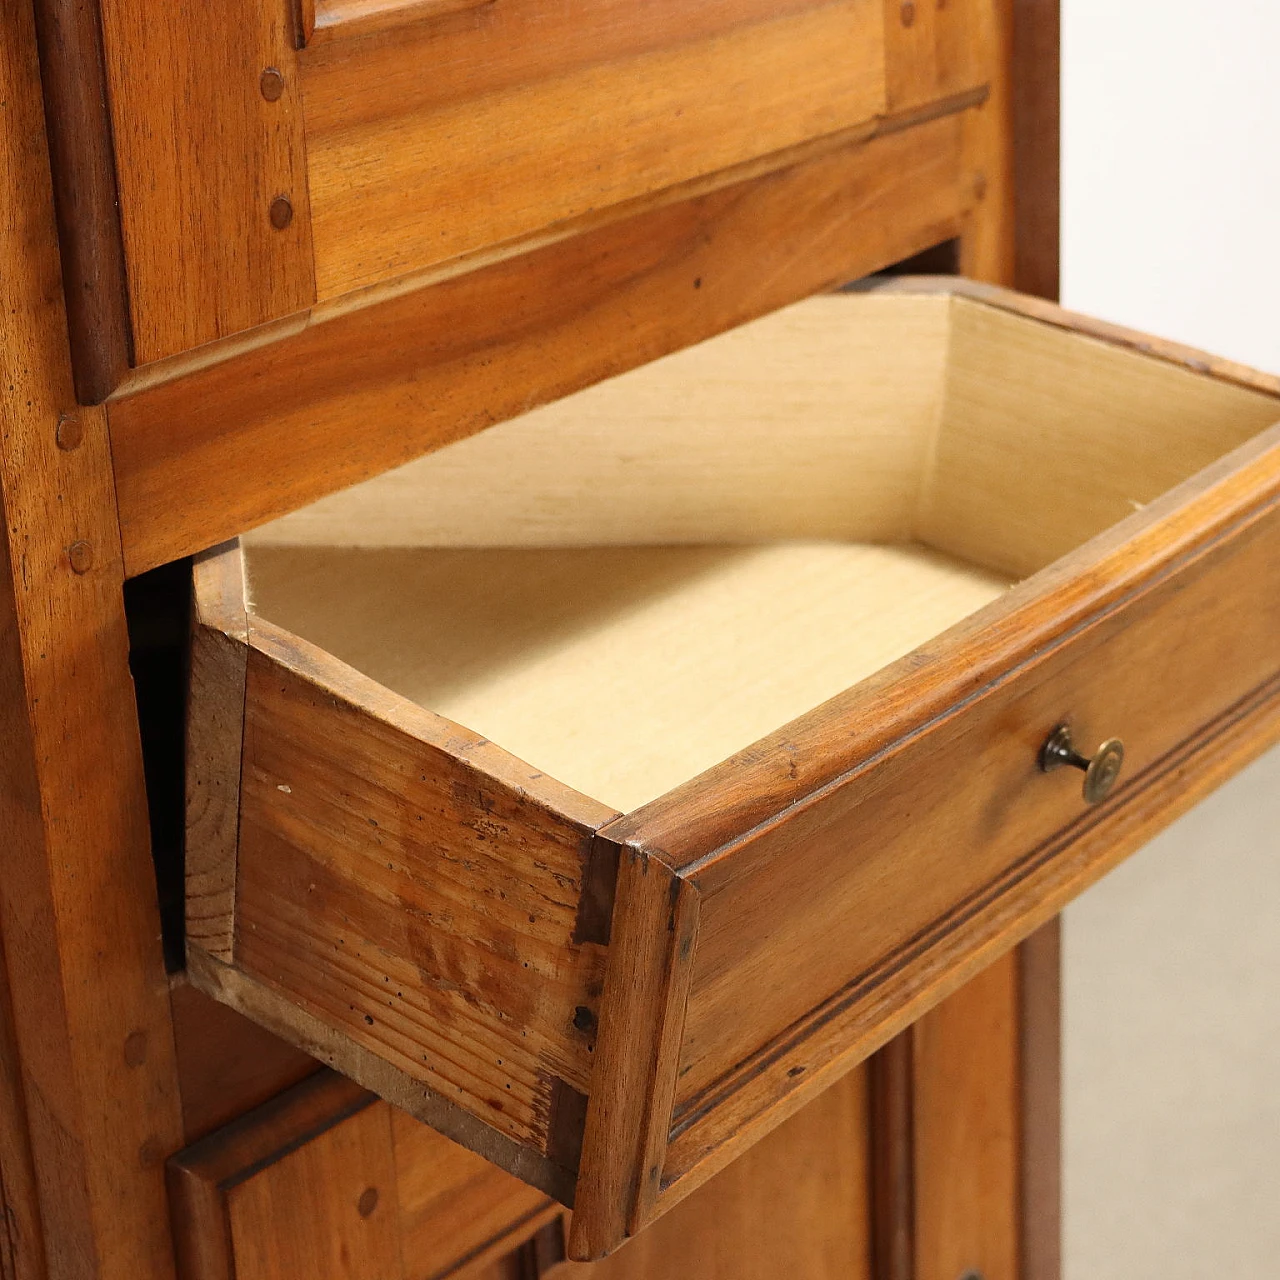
x: 1100, y: 772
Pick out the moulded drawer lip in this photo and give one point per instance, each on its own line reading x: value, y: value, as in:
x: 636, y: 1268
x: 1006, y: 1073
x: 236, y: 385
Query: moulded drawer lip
x: 849, y: 869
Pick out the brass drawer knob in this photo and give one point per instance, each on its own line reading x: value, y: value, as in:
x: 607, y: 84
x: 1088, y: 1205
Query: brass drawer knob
x: 1100, y: 772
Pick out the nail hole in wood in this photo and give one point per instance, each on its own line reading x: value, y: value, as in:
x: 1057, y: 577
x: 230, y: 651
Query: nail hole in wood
x: 368, y: 1201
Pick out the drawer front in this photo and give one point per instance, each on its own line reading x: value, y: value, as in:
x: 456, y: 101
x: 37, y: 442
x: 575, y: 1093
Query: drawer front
x: 935, y: 823
x: 825, y: 907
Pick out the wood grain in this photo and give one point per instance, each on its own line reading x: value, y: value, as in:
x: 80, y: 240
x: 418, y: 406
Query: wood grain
x: 215, y: 744
x: 86, y: 200
x: 285, y: 424
x: 457, y: 1210
x: 386, y: 190
x: 966, y: 1108
x: 932, y: 50
x: 795, y: 1205
x: 78, y: 910
x: 227, y: 1065
x: 327, y: 1180
x: 408, y: 882
x: 200, y: 157
x: 633, y: 1081
x: 304, y: 1159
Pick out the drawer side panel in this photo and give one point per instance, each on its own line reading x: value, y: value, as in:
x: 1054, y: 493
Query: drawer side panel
x: 399, y: 890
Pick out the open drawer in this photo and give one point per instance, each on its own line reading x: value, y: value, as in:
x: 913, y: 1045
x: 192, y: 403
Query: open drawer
x: 758, y: 650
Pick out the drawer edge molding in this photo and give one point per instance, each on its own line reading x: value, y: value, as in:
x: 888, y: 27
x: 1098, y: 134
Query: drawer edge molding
x: 652, y: 943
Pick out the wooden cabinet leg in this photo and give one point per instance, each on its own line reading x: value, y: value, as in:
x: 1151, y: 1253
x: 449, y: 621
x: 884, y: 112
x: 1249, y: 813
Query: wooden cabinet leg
x: 90, y: 1012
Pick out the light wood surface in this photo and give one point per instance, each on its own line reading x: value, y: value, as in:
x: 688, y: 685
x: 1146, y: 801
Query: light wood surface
x: 78, y: 917
x: 622, y: 672
x: 733, y: 440
x: 287, y: 423
x: 201, y: 156
x: 1066, y: 436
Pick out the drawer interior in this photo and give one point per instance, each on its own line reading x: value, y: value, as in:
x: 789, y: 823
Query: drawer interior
x: 632, y: 584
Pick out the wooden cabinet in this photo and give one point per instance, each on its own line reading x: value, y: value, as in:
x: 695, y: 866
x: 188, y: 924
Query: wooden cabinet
x: 694, y: 737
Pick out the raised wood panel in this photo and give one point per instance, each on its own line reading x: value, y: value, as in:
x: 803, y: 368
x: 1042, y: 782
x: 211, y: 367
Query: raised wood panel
x: 339, y: 1190
x: 456, y: 1209
x: 433, y: 179
x: 285, y: 424
x: 327, y: 1181
x: 202, y: 158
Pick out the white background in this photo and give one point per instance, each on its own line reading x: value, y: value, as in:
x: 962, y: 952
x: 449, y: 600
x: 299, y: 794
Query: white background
x: 1171, y: 223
